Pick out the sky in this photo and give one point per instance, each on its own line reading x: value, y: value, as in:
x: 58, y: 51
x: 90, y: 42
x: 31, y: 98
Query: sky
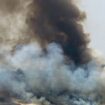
x: 95, y: 22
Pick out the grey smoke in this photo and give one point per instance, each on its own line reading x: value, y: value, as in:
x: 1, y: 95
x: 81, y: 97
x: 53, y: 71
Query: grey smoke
x: 31, y: 72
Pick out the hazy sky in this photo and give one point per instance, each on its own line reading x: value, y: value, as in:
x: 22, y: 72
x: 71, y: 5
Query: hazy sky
x: 95, y: 23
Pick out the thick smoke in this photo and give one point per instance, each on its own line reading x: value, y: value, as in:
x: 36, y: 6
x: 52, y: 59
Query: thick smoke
x: 59, y: 21
x: 31, y: 73
x: 44, y: 57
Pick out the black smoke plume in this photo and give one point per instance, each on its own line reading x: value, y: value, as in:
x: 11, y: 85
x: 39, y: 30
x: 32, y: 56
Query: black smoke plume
x: 59, y: 21
x: 44, y: 55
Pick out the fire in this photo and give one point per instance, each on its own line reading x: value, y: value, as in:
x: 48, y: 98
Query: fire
x: 28, y: 104
x: 18, y: 103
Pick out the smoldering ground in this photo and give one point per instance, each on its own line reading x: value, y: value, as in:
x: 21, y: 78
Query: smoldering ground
x: 44, y: 55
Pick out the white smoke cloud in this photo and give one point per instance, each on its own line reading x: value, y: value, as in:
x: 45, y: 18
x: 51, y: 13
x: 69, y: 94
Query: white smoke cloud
x: 31, y: 72
x: 44, y: 77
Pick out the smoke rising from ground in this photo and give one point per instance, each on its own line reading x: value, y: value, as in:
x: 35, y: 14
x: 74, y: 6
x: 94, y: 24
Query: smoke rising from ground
x: 44, y: 56
x: 33, y: 73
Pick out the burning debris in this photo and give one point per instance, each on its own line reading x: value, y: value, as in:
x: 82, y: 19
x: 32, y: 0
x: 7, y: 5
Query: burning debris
x: 44, y: 56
